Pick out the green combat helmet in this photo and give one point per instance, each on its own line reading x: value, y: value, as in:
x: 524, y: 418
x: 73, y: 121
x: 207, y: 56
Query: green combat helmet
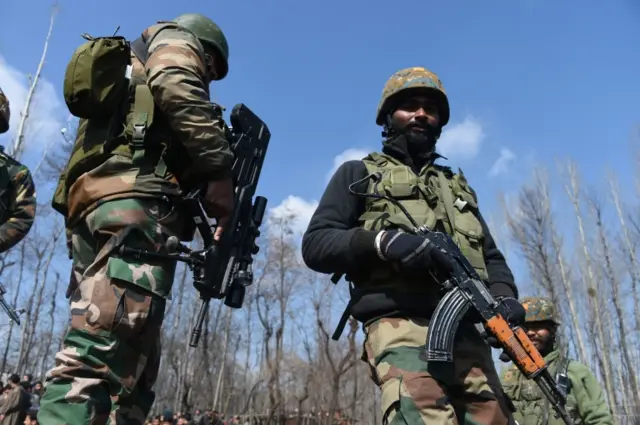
x: 209, y: 34
x: 416, y: 78
x: 540, y: 310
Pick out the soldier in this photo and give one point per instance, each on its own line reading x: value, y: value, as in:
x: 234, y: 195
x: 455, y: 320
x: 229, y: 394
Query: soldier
x: 585, y: 402
x: 393, y: 293
x: 17, y: 191
x: 5, y: 112
x: 127, y: 192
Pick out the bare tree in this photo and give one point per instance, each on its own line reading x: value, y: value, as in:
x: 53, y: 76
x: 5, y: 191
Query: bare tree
x: 18, y: 144
x: 573, y: 190
x: 534, y: 232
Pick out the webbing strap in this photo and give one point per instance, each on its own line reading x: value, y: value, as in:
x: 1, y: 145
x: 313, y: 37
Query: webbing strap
x: 447, y: 199
x: 143, y: 112
x: 142, y: 117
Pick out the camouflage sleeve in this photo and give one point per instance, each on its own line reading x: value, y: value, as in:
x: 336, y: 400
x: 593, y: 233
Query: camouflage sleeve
x: 23, y: 212
x: 591, y: 403
x: 175, y: 69
x: 4, y: 112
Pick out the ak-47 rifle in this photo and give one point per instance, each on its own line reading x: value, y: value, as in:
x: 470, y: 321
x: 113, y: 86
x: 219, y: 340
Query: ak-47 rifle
x: 13, y: 315
x: 223, y: 268
x: 465, y: 291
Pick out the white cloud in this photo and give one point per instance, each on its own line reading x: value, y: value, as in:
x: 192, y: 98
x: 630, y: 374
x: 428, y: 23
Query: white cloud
x: 46, y: 115
x: 347, y: 155
x: 502, y: 163
x: 462, y: 140
x: 299, y: 208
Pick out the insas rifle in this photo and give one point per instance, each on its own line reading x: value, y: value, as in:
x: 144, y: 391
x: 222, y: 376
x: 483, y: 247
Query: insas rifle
x: 465, y: 291
x: 13, y: 315
x: 223, y: 268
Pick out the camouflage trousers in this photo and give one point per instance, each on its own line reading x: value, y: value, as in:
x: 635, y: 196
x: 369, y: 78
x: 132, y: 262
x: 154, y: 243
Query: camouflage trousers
x: 415, y: 392
x: 110, y: 356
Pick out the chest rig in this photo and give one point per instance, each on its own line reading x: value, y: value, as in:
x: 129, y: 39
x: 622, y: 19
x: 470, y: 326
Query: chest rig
x: 435, y: 197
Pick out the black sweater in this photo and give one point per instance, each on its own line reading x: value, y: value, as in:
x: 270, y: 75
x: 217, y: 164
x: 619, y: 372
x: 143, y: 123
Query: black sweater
x: 333, y: 242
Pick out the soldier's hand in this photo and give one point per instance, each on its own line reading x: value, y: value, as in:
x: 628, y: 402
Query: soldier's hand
x: 514, y: 312
x: 219, y: 203
x: 412, y: 253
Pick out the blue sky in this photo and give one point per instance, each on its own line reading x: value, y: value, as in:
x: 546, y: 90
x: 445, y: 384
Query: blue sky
x: 529, y: 80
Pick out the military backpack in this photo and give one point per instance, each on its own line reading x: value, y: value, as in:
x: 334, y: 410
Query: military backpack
x: 99, y: 89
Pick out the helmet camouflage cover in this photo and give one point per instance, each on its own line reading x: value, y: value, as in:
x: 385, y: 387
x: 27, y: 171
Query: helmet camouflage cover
x: 418, y: 79
x: 540, y: 310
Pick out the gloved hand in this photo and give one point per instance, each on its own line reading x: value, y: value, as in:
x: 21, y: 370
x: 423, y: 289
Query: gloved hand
x: 515, y: 315
x: 412, y: 253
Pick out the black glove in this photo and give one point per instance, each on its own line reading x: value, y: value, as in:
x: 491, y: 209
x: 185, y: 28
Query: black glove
x: 514, y: 313
x: 413, y: 253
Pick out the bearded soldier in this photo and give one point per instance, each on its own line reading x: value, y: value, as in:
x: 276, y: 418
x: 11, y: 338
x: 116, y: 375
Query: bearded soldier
x: 122, y: 187
x: 17, y: 191
x: 391, y: 270
x: 585, y: 399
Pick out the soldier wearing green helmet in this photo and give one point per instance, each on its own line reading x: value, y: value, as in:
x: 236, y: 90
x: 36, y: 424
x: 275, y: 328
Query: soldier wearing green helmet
x: 586, y: 403
x: 391, y: 270
x: 211, y: 37
x: 148, y: 134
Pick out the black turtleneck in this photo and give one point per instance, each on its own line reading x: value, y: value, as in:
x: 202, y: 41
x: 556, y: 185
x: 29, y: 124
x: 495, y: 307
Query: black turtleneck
x: 333, y: 242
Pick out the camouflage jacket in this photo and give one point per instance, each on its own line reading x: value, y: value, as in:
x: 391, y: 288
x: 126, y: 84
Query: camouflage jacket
x: 586, y: 403
x: 5, y: 112
x: 17, y: 202
x: 175, y: 74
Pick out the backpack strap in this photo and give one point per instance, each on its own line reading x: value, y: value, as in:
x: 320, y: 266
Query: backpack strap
x: 140, y: 49
x: 143, y: 112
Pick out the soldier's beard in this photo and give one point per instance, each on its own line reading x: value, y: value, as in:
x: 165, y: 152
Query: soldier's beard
x: 421, y: 141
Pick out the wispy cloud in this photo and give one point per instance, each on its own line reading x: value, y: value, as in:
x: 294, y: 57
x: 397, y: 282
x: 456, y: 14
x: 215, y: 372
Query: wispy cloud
x: 462, y: 140
x: 347, y: 155
x: 501, y: 166
x: 298, y: 208
x: 46, y: 115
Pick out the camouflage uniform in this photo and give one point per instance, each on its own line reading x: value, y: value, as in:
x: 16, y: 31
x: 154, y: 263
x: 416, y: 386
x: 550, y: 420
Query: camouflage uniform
x: 395, y: 308
x: 110, y: 357
x: 5, y: 112
x: 17, y: 201
x: 586, y: 403
x: 17, y: 191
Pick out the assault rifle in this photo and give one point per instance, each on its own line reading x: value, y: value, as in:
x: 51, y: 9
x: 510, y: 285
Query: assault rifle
x: 464, y: 292
x: 13, y: 315
x: 223, y: 268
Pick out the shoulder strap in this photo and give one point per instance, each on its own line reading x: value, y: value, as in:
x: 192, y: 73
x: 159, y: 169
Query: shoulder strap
x: 140, y: 49
x: 143, y: 110
x: 563, y: 367
x: 449, y: 204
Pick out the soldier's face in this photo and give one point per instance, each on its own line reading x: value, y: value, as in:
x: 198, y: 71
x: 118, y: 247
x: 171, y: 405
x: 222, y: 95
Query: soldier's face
x: 211, y: 67
x: 539, y: 333
x: 415, y: 113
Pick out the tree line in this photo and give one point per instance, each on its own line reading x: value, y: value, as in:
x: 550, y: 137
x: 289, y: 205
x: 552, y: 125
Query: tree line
x: 274, y: 358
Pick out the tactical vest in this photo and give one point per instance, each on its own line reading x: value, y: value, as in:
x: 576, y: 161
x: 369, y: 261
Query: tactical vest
x: 436, y: 197
x: 131, y: 132
x: 532, y: 404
